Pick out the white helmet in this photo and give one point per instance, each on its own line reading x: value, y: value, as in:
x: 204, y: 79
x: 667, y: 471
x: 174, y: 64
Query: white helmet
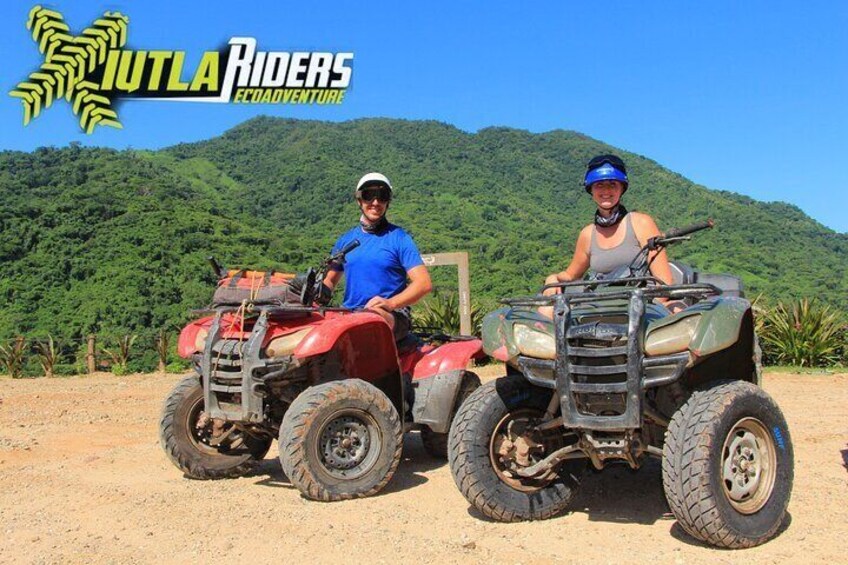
x: 374, y: 178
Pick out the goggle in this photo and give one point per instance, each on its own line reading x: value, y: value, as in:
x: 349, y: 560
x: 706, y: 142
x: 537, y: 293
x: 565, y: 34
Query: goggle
x: 611, y: 159
x: 381, y: 193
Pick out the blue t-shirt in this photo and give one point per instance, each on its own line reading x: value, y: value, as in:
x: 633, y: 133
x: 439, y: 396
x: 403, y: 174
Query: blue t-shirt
x: 378, y: 266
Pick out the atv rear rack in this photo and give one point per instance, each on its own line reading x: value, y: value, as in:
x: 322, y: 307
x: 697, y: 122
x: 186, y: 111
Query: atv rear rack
x: 271, y: 307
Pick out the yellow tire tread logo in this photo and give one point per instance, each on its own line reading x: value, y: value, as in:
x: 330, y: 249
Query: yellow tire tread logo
x: 68, y: 60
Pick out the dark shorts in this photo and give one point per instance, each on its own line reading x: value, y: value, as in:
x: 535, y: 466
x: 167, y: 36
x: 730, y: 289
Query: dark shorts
x: 403, y: 322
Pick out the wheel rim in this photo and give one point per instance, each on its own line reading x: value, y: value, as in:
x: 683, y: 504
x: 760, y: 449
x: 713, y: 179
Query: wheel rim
x: 200, y: 433
x: 749, y: 465
x: 201, y: 430
x: 515, y: 443
x: 349, y: 444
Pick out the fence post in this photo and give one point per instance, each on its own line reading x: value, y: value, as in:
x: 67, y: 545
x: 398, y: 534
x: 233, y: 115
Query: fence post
x: 91, y: 356
x: 162, y: 349
x: 460, y: 259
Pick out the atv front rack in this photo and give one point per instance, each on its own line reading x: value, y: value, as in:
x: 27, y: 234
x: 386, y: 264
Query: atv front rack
x: 603, y: 362
x: 235, y: 369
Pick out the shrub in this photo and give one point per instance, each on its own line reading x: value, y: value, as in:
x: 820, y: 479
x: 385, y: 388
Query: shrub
x: 67, y: 370
x: 804, y: 333
x: 177, y: 366
x: 440, y: 311
x: 120, y: 353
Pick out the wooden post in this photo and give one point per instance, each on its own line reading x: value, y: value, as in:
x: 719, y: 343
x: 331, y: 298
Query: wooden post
x: 91, y: 356
x: 460, y: 259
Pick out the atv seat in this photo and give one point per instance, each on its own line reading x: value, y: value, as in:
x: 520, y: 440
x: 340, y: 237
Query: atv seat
x: 407, y: 344
x: 681, y: 273
x: 729, y: 284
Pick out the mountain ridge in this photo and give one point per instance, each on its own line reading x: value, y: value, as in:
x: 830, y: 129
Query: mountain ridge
x: 95, y: 239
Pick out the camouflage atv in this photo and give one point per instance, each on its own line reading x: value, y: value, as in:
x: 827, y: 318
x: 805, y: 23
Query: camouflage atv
x: 615, y: 378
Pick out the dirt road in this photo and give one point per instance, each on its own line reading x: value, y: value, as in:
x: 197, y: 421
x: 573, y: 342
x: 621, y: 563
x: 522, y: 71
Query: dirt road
x: 82, y: 479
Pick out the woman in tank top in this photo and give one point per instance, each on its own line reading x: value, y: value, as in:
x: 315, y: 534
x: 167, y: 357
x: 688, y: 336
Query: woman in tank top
x: 616, y: 236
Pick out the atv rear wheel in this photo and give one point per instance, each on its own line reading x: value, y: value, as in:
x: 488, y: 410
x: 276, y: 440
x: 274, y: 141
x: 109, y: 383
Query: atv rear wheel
x: 436, y: 444
x: 340, y: 440
x: 728, y: 465
x: 495, y: 431
x: 188, y: 438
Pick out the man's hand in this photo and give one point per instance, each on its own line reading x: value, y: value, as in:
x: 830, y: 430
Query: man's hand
x: 381, y: 303
x: 325, y: 294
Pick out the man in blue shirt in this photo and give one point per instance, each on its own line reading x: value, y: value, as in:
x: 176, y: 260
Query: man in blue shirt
x: 387, y: 257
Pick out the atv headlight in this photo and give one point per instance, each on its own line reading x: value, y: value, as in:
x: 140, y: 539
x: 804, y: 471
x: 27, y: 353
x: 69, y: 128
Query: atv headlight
x: 534, y: 343
x: 673, y: 338
x: 285, y: 345
x: 200, y: 339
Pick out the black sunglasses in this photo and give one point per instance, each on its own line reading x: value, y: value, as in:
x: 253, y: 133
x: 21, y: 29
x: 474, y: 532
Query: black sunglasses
x: 381, y: 193
x: 611, y: 159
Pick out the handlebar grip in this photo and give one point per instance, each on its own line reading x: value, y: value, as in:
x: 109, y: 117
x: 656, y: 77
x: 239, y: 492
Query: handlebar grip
x: 349, y: 247
x: 678, y: 232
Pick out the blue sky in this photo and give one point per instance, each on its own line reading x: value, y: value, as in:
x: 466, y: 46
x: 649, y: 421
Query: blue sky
x: 741, y: 96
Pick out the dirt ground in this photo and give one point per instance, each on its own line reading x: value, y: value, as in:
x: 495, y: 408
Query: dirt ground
x: 83, y: 479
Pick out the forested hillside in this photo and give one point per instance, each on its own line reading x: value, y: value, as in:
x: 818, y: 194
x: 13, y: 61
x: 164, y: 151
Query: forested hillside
x: 115, y: 241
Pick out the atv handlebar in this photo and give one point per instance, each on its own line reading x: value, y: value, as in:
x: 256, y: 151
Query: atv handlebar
x: 339, y: 257
x: 348, y: 248
x: 312, y: 288
x: 638, y: 273
x: 679, y: 232
x: 216, y: 267
x: 675, y: 235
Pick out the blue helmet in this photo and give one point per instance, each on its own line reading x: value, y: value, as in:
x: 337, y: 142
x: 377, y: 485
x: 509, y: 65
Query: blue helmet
x: 605, y: 167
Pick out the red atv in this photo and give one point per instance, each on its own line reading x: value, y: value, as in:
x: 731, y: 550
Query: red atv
x: 332, y: 384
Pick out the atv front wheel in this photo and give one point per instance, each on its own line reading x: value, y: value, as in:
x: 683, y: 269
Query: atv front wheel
x: 728, y: 465
x: 436, y: 444
x: 188, y: 437
x: 494, y: 433
x: 340, y: 440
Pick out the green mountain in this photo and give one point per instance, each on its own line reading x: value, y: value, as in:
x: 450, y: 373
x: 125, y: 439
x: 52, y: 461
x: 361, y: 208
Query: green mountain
x: 97, y: 240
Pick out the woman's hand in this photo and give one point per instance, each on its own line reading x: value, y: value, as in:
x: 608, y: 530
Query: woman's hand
x: 552, y: 279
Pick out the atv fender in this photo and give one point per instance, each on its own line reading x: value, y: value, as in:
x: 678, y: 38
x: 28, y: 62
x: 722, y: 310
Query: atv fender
x: 435, y: 397
x: 453, y: 356
x: 186, y: 343
x: 720, y: 325
x: 437, y: 379
x: 365, y: 348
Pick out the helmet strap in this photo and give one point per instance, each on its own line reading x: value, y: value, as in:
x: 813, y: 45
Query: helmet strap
x: 618, y: 212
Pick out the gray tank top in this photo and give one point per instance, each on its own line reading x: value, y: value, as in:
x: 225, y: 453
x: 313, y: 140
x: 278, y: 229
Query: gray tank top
x: 606, y: 260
